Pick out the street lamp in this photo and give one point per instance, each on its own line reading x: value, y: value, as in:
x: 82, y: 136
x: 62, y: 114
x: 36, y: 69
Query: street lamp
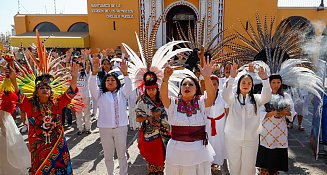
x: 321, y: 6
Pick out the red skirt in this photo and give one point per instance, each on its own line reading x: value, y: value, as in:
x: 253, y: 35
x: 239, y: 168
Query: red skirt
x: 152, y: 151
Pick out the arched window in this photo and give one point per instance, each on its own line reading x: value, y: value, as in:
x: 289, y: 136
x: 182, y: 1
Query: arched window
x: 46, y: 27
x: 79, y: 27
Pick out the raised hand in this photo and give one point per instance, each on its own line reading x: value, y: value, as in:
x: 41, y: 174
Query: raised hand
x: 124, y: 67
x: 10, y: 73
x: 74, y: 70
x: 88, y: 51
x: 168, y: 72
x: 233, y: 70
x: 95, y: 65
x: 206, y: 70
x: 262, y: 73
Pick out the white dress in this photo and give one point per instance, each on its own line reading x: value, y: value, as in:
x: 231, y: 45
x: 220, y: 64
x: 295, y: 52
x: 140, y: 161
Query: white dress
x: 187, y: 158
x: 217, y: 141
x: 15, y: 157
x: 300, y: 99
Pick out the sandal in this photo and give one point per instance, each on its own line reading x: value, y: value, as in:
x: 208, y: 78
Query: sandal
x: 301, y: 128
x: 290, y: 126
x: 215, y: 168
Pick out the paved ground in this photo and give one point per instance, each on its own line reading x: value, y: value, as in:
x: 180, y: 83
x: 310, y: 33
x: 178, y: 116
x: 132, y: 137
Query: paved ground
x: 87, y: 154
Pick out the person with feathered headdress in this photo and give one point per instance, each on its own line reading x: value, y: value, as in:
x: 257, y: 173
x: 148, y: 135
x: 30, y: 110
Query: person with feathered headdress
x: 43, y: 97
x: 154, y: 131
x: 280, y: 54
x: 146, y: 72
x: 272, y: 152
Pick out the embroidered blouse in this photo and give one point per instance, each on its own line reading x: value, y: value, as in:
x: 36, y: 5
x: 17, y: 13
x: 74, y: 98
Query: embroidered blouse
x: 275, y: 132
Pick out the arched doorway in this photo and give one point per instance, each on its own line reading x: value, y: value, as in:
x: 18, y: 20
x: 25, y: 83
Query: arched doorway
x: 181, y: 15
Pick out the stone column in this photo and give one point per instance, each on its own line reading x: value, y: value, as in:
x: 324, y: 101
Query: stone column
x: 215, y: 15
x: 203, y: 11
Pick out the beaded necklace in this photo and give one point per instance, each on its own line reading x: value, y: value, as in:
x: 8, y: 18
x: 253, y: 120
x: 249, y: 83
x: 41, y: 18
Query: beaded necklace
x: 48, y: 124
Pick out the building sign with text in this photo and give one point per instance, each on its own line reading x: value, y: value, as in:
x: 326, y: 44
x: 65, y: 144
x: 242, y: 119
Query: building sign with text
x: 113, y: 11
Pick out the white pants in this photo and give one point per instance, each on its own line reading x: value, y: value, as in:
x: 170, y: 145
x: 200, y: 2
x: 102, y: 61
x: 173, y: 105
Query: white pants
x: 95, y: 106
x: 84, y: 116
x: 111, y: 139
x: 241, y: 156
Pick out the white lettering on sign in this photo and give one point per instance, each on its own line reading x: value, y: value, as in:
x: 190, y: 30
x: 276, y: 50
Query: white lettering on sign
x: 113, y: 11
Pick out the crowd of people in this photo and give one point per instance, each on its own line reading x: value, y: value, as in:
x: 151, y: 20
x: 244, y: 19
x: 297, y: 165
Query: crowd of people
x: 207, y: 118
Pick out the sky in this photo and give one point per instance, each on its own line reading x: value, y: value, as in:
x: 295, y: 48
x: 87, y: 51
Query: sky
x: 300, y: 3
x: 9, y: 8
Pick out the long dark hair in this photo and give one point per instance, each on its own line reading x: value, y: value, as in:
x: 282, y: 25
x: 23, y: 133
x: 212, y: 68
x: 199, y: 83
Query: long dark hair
x: 157, y: 94
x: 238, y: 92
x: 280, y: 91
x: 102, y: 73
x: 197, y: 85
x: 157, y: 99
x: 82, y: 71
x: 103, y: 82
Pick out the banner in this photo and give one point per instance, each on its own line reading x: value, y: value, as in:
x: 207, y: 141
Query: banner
x: 317, y: 111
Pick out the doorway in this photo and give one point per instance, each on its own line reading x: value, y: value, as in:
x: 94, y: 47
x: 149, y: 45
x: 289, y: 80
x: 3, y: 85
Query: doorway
x: 183, y: 16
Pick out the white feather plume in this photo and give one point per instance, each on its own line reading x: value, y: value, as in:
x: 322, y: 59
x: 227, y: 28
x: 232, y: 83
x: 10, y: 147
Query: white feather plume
x: 138, y: 65
x: 294, y: 75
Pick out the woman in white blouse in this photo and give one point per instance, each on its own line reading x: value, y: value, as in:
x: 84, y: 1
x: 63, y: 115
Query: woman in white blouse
x: 243, y: 124
x: 188, y: 151
x: 113, y: 118
x: 272, y: 153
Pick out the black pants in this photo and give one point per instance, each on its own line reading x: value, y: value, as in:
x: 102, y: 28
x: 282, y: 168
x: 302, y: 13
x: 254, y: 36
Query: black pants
x: 66, y: 112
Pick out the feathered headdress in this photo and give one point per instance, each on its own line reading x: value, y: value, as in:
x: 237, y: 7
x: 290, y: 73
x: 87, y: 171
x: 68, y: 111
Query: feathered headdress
x: 149, y: 60
x: 47, y: 71
x: 279, y: 54
x: 213, y: 45
x: 260, y: 43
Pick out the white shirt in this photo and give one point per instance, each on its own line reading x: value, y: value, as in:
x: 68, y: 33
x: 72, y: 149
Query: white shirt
x: 300, y: 100
x: 221, y: 83
x: 242, y: 122
x: 106, y: 103
x: 83, y: 85
x: 274, y: 133
x: 187, y: 153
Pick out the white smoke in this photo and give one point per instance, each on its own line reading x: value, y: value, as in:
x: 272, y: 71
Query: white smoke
x: 316, y: 46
